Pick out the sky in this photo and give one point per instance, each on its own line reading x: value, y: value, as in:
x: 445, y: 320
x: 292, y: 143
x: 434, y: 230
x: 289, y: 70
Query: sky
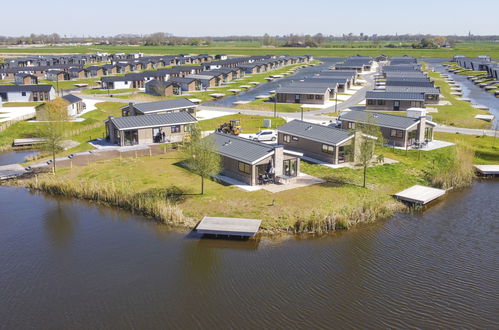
x: 255, y: 17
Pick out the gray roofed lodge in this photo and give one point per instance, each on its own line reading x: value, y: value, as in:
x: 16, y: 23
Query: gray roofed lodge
x: 254, y: 162
x: 156, y: 128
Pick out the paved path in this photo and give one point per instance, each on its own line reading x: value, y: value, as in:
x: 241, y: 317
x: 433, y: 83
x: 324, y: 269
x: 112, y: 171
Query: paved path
x: 467, y: 131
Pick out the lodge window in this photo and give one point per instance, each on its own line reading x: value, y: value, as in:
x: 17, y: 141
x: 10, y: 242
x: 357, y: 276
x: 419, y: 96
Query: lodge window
x: 371, y: 102
x: 381, y: 102
x: 23, y: 93
x: 318, y: 97
x: 295, y: 138
x: 328, y: 149
x: 286, y: 138
x: 310, y: 97
x: 414, y: 104
x: 245, y: 168
x: 396, y: 133
x: 351, y: 125
x: 175, y: 129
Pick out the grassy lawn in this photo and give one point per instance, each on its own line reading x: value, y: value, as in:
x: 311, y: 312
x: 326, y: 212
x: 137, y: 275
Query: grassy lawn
x: 82, y: 132
x: 21, y: 104
x: 486, y: 147
x: 249, y: 124
x: 459, y: 113
x: 92, y: 91
x: 70, y: 84
x: 343, y: 49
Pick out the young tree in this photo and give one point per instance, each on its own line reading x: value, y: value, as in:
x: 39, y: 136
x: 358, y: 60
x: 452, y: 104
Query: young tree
x: 201, y: 156
x: 52, y: 131
x: 367, y: 136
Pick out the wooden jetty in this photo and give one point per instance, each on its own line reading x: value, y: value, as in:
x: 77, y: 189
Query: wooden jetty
x: 11, y: 171
x: 27, y: 142
x: 487, y: 169
x: 485, y: 117
x: 217, y: 95
x: 419, y: 194
x: 228, y: 226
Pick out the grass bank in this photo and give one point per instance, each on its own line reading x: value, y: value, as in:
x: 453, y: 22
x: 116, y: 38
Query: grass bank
x: 142, y: 184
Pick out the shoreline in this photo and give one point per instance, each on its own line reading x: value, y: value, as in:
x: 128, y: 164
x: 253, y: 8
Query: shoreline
x: 172, y: 215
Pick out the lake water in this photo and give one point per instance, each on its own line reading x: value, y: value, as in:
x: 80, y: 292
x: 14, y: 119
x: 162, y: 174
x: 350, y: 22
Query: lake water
x: 73, y: 264
x: 470, y: 90
x: 13, y: 157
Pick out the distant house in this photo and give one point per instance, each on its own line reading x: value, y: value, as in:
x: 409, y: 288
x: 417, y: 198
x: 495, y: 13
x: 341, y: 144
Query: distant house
x: 414, y: 82
x: 207, y: 80
x: 221, y: 57
x: 431, y: 94
x: 155, y: 128
x: 186, y: 85
x: 95, y: 71
x: 25, y: 79
x: 110, y: 69
x: 26, y: 93
x: 381, y: 100
x: 315, y: 141
x: 303, y: 95
x: 167, y: 106
x: 159, y: 88
x: 78, y: 73
x: 116, y: 82
x: 397, y: 131
x: 252, y: 162
x: 57, y: 75
x: 350, y: 75
x: 75, y: 106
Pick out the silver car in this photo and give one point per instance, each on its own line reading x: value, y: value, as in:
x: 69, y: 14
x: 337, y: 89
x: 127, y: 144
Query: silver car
x: 264, y: 135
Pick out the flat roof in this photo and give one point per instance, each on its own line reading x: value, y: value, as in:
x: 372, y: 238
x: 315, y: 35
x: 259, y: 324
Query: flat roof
x: 420, y: 194
x: 228, y: 226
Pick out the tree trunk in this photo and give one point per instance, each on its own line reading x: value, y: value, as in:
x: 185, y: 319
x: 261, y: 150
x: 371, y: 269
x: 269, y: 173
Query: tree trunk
x: 365, y: 174
x: 202, y: 185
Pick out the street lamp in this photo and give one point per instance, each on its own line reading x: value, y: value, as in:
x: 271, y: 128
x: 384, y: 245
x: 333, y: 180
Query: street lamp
x: 336, y: 103
x: 275, y: 105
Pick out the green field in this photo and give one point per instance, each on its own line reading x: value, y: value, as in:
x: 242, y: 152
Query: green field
x: 471, y: 49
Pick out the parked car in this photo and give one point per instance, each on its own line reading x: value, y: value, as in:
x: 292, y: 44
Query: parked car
x: 264, y: 135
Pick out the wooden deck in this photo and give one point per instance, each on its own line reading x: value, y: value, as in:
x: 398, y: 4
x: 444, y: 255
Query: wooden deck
x: 488, y: 169
x: 11, y: 171
x: 228, y: 226
x: 419, y: 194
x: 27, y: 142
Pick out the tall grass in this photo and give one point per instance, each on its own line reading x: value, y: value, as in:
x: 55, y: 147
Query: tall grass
x: 369, y: 211
x: 156, y: 205
x: 453, y: 169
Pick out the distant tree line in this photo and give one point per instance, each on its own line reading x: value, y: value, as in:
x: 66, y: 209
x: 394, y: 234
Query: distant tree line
x: 289, y: 40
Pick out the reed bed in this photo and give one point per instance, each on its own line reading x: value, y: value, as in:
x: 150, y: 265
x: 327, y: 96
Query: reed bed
x: 160, y: 206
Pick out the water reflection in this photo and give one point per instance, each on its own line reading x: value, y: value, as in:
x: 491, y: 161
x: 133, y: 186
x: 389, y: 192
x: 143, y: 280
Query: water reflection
x: 60, y: 224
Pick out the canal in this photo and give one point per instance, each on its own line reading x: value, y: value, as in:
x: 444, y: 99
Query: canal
x: 74, y: 264
x: 471, y: 91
